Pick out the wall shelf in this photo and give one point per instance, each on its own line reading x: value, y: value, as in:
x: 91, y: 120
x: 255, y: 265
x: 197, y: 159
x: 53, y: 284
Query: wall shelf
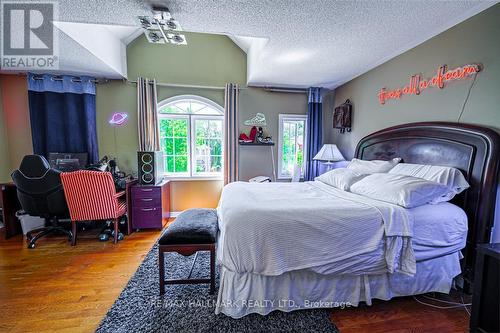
x: 256, y: 144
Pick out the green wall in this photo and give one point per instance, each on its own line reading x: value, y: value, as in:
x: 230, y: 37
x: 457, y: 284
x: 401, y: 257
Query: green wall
x: 4, y: 151
x: 206, y: 60
x: 211, y: 60
x: 256, y: 161
x: 475, y: 40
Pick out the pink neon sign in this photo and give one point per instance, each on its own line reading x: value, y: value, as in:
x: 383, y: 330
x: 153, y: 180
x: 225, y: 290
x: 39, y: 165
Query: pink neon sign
x: 417, y: 83
x: 118, y: 119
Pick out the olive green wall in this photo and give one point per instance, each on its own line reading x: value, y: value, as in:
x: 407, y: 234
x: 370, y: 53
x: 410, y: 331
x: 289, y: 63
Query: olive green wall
x: 211, y: 60
x: 475, y: 40
x: 256, y: 161
x: 207, y: 60
x: 4, y: 151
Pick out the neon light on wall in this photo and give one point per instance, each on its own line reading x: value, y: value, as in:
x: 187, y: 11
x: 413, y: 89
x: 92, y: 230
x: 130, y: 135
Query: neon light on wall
x: 417, y: 83
x: 118, y: 119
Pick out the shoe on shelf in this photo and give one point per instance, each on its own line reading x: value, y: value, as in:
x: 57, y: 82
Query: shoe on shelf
x: 258, y: 120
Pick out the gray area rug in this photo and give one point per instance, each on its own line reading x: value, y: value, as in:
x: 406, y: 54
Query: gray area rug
x: 190, y: 308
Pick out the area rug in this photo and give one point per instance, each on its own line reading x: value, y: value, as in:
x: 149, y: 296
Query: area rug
x: 190, y: 308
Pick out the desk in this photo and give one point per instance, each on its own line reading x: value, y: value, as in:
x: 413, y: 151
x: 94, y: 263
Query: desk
x: 10, y: 205
x: 128, y: 193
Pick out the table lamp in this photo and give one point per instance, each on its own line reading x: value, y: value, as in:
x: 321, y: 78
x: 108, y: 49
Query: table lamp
x: 328, y: 154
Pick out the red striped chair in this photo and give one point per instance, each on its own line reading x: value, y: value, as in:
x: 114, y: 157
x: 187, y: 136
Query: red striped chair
x: 91, y: 195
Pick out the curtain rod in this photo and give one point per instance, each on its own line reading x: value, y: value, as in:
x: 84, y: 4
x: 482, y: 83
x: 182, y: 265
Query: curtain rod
x: 175, y: 85
x: 268, y: 88
x: 74, y: 78
x: 285, y: 90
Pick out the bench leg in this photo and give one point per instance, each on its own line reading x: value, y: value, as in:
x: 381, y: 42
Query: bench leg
x: 212, y: 270
x: 192, y: 266
x: 161, y: 262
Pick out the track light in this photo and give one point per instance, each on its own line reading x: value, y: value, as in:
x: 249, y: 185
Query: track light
x: 161, y: 27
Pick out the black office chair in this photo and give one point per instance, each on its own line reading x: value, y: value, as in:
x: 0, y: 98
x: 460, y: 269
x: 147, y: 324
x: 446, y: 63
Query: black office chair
x: 41, y: 193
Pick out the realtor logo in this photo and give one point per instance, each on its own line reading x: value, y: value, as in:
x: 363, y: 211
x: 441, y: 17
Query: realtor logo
x: 28, y: 36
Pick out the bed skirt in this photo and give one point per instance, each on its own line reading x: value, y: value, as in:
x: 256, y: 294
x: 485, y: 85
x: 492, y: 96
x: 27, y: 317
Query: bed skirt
x: 242, y: 294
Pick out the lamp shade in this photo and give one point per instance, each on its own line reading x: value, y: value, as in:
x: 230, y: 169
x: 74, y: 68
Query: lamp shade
x: 329, y: 153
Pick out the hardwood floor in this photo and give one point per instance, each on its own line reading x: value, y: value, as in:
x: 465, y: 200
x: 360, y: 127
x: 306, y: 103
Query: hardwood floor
x: 404, y: 315
x: 59, y: 288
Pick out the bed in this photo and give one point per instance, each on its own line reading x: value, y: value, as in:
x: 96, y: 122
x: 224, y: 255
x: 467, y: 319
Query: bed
x: 293, y: 246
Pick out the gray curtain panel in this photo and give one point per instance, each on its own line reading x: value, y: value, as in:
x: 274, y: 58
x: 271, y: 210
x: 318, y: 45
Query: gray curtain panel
x: 231, y: 126
x: 149, y: 132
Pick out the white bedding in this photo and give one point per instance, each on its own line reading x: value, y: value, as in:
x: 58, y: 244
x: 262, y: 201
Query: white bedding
x: 243, y: 293
x: 274, y: 228
x: 438, y: 230
x: 312, y: 242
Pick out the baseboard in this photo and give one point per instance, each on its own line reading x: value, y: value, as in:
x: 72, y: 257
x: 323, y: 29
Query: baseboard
x: 174, y: 214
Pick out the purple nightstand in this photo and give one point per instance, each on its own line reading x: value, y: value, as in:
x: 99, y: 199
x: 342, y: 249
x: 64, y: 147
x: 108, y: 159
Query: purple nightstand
x: 150, y: 205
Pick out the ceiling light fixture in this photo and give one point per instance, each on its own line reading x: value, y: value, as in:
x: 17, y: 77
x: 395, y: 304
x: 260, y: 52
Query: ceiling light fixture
x: 161, y: 27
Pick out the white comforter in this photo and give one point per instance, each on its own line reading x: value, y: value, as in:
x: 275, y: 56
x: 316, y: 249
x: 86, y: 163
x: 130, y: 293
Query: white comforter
x: 273, y: 228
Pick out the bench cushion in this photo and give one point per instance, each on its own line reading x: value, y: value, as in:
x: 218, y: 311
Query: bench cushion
x: 193, y: 226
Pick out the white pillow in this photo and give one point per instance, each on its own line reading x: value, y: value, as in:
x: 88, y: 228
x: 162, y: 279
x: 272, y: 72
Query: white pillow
x: 405, y: 191
x: 341, y: 178
x: 448, y: 176
x: 375, y: 166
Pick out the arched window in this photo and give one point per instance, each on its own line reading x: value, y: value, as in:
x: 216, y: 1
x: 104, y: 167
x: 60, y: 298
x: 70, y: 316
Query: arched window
x: 191, y: 134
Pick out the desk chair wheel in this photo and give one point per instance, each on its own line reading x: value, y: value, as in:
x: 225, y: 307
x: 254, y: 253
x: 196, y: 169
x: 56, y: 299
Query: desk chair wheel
x: 107, y: 234
x: 120, y: 235
x: 31, y: 238
x: 104, y: 237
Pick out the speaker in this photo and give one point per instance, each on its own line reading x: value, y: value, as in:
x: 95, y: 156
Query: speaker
x: 150, y: 167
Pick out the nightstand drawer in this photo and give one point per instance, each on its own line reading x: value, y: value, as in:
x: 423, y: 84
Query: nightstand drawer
x: 139, y: 192
x: 150, y: 205
x: 147, y: 217
x: 147, y: 202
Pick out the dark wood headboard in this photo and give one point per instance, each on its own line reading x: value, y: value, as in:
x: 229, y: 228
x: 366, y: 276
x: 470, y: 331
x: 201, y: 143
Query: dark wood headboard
x: 472, y: 149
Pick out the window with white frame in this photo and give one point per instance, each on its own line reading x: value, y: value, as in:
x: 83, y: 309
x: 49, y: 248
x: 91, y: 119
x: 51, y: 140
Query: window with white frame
x: 291, y: 144
x: 191, y: 134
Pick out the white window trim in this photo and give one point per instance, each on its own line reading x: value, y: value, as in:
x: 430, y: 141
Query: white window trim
x: 188, y: 118
x: 179, y: 98
x: 190, y: 175
x: 282, y: 117
x: 195, y: 117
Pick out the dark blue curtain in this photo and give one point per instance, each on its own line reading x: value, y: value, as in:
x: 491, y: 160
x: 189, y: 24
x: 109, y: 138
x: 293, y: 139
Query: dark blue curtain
x: 314, y: 131
x: 62, y: 115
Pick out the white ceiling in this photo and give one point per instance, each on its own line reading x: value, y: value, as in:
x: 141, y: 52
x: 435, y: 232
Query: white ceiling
x: 321, y: 42
x: 289, y: 43
x: 92, y: 36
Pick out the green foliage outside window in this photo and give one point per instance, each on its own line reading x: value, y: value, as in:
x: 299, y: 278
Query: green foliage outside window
x: 293, y: 145
x: 174, y: 143
x: 208, y: 145
x: 186, y: 120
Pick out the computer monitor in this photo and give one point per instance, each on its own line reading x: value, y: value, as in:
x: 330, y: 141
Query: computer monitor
x: 67, y: 162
